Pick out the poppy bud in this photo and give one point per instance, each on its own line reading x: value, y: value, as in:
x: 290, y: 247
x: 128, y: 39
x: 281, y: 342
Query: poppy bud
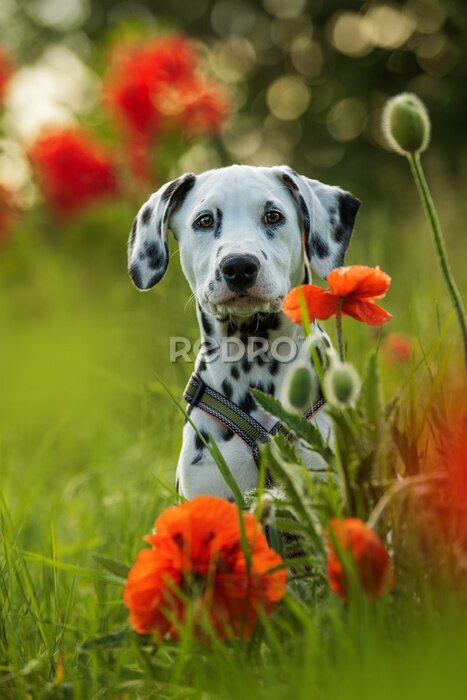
x: 341, y: 384
x: 267, y: 510
x: 406, y: 124
x: 299, y: 387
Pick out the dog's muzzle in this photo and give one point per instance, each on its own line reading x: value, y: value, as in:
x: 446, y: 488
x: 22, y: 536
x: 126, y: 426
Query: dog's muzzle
x: 240, y: 272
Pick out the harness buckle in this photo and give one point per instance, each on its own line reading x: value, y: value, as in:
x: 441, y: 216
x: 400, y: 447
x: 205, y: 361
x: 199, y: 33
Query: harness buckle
x: 197, y: 394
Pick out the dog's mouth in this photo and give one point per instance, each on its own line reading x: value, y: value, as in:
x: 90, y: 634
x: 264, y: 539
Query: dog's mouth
x: 243, y: 305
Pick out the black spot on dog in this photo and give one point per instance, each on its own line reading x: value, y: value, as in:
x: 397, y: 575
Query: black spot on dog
x: 206, y: 323
x: 227, y: 389
x: 217, y: 275
x: 247, y: 404
x: 155, y: 279
x: 133, y: 234
x: 199, y: 444
x: 227, y: 435
x: 218, y: 226
x: 208, y: 349
x: 152, y: 253
x: 348, y: 209
x: 305, y: 215
x: 169, y: 190
x: 234, y: 371
x: 146, y: 214
x: 246, y: 366
x: 185, y: 186
x: 135, y: 275
x: 198, y: 457
x: 287, y: 180
x: 175, y: 194
x: 271, y: 388
x: 274, y: 367
x: 219, y: 250
x: 265, y: 256
x: 211, y: 286
x: 201, y: 365
x: 268, y: 322
x: 319, y: 247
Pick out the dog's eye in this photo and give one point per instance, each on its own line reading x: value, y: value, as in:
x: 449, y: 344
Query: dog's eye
x: 204, y: 221
x: 273, y: 217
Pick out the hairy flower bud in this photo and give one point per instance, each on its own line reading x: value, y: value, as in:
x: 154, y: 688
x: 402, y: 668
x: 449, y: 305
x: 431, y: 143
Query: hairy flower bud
x: 406, y: 124
x: 341, y: 384
x: 298, y: 388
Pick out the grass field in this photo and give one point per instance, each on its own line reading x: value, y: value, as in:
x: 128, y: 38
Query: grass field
x: 88, y: 446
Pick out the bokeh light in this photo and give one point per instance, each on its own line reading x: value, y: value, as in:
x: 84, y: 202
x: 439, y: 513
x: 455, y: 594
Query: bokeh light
x: 288, y: 97
x: 347, y: 119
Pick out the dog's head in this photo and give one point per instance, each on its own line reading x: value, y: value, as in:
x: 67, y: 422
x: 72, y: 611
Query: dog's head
x: 243, y: 233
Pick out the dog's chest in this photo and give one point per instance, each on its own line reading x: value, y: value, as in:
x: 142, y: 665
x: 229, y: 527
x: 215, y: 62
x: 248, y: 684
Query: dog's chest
x: 197, y: 472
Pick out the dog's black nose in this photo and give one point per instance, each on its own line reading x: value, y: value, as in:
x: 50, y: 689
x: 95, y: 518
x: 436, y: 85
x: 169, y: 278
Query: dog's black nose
x: 240, y: 271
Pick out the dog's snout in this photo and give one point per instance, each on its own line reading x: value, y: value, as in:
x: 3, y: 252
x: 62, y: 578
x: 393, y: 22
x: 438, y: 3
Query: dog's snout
x: 240, y: 271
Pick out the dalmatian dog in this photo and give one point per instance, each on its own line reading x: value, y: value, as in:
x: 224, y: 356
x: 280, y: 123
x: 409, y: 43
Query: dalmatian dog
x: 245, y: 236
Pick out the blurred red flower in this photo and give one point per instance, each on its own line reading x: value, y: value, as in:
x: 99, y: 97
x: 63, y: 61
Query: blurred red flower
x: 205, y: 107
x: 355, y: 550
x: 398, y: 348
x: 447, y: 454
x: 6, y: 70
x: 353, y: 288
x: 8, y: 208
x: 197, y: 563
x: 73, y: 170
x: 153, y: 86
x: 138, y: 75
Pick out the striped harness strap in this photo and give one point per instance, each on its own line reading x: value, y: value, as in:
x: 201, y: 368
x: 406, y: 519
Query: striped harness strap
x: 199, y: 394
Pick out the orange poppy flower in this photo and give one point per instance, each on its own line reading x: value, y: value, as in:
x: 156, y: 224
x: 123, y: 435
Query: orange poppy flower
x: 353, y: 288
x: 351, y: 544
x: 197, y: 565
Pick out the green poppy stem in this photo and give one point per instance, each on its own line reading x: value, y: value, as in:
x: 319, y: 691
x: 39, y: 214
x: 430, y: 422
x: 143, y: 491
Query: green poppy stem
x: 340, y: 337
x: 432, y: 216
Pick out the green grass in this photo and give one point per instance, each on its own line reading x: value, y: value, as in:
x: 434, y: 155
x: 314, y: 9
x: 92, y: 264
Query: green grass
x: 88, y: 448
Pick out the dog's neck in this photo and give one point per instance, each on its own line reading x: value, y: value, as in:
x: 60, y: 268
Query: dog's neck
x: 235, y: 355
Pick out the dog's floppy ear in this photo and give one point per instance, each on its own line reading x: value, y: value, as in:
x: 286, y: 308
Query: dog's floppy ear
x: 148, y: 249
x: 328, y: 215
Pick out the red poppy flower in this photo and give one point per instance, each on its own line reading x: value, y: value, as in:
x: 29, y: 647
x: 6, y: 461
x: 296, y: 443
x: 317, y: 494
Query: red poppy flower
x: 353, y: 288
x: 6, y: 70
x: 73, y: 170
x: 155, y: 86
x: 398, y: 348
x: 354, y: 549
x: 139, y: 74
x: 197, y: 564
